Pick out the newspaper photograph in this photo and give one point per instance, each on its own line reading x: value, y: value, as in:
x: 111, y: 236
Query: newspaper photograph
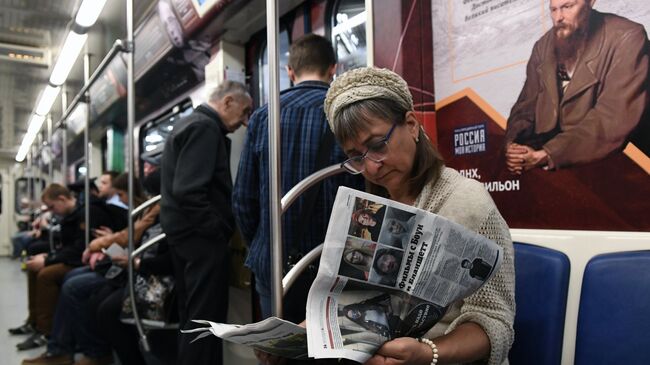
x: 389, y: 270
x: 272, y: 335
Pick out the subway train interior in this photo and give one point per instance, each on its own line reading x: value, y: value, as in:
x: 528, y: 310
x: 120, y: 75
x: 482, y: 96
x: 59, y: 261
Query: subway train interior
x: 92, y: 86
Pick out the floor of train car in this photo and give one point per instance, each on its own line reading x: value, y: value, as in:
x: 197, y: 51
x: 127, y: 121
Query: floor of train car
x: 13, y: 311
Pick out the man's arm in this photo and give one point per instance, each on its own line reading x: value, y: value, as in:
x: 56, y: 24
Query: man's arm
x: 617, y: 111
x: 245, y: 199
x: 195, y: 165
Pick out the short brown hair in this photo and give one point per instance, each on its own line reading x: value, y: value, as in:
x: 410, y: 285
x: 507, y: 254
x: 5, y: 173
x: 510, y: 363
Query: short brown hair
x: 311, y: 53
x: 55, y: 190
x: 122, y: 183
x: 111, y: 173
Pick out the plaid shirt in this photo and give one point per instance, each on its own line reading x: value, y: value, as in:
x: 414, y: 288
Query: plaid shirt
x: 303, y: 123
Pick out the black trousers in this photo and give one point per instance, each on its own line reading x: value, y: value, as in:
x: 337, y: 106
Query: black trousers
x: 201, y: 271
x: 122, y: 337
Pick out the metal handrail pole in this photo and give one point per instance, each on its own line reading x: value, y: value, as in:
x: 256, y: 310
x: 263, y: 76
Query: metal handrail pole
x: 293, y: 194
x: 50, y: 173
x: 50, y: 166
x: 30, y: 181
x: 287, y: 200
x: 147, y: 244
x: 39, y: 149
x: 64, y: 137
x: 86, y: 150
x: 275, y: 177
x: 117, y: 47
x: 145, y: 205
x: 130, y: 112
x: 299, y: 267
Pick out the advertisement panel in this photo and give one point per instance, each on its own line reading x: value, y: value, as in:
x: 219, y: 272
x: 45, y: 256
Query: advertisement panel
x: 544, y: 101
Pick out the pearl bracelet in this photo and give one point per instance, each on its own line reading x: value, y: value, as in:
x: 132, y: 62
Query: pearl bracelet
x: 434, y: 349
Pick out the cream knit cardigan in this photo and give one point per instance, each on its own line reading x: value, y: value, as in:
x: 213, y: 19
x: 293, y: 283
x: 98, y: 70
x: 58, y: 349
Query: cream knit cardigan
x: 466, y: 202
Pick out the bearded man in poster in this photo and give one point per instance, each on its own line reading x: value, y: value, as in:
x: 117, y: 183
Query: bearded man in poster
x: 585, y: 90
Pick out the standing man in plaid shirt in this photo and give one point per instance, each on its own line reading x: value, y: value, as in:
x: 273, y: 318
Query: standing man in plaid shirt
x: 312, y: 64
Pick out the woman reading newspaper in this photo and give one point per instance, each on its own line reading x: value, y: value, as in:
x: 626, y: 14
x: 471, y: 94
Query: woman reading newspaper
x: 371, y: 114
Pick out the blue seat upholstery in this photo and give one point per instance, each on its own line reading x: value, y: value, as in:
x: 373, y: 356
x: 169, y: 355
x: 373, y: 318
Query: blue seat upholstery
x: 614, y: 314
x: 541, y: 286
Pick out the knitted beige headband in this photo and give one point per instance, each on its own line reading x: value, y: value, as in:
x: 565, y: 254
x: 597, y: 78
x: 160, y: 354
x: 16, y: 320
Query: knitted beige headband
x: 365, y: 83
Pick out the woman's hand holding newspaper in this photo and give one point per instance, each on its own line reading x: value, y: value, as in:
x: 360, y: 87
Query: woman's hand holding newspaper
x: 402, y: 351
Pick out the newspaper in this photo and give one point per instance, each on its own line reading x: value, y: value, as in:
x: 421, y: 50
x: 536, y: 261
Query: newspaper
x: 273, y: 335
x: 387, y: 270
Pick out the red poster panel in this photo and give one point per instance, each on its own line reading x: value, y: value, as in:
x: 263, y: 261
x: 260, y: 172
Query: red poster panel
x: 403, y: 43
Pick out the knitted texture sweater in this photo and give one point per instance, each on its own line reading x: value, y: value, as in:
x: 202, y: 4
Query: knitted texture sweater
x: 492, y: 307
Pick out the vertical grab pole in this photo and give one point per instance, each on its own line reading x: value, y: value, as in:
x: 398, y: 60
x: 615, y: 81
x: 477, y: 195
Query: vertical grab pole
x: 30, y: 180
x: 50, y: 170
x: 86, y: 150
x: 64, y: 137
x: 130, y: 112
x: 50, y: 166
x: 39, y: 151
x: 274, y: 157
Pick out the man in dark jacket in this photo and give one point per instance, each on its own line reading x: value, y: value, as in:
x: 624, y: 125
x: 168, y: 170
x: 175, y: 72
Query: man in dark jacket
x: 46, y: 271
x: 196, y: 211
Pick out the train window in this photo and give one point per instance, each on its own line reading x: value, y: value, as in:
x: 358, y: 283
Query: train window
x: 285, y: 83
x: 349, y: 34
x: 157, y: 131
x: 27, y: 193
x: 79, y: 170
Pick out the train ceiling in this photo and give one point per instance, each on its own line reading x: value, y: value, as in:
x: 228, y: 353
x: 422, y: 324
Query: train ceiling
x: 31, y: 32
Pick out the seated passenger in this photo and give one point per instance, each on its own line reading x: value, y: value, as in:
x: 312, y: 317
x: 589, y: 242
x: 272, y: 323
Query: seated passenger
x: 122, y: 337
x: 74, y: 323
x: 46, y: 271
x: 371, y: 114
x: 107, y: 191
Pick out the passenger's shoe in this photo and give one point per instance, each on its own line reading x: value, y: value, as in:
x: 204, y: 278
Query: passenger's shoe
x: 49, y: 359
x: 25, y: 329
x: 32, y: 342
x: 106, y: 360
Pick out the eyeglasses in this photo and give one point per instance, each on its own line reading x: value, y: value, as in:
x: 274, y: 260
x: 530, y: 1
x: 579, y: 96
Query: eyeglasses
x: 376, y: 152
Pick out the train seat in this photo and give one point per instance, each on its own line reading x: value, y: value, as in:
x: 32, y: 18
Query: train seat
x: 541, y: 286
x: 614, y: 312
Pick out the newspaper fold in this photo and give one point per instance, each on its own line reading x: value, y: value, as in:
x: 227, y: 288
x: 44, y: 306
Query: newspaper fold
x: 273, y: 335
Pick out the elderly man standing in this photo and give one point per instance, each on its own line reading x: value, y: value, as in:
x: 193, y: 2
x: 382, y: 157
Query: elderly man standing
x: 585, y: 90
x: 196, y: 211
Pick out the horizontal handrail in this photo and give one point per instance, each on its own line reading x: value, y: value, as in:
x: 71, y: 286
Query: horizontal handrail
x: 288, y: 199
x: 148, y: 244
x: 322, y: 174
x: 145, y: 205
x: 118, y: 47
x: 299, y: 267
